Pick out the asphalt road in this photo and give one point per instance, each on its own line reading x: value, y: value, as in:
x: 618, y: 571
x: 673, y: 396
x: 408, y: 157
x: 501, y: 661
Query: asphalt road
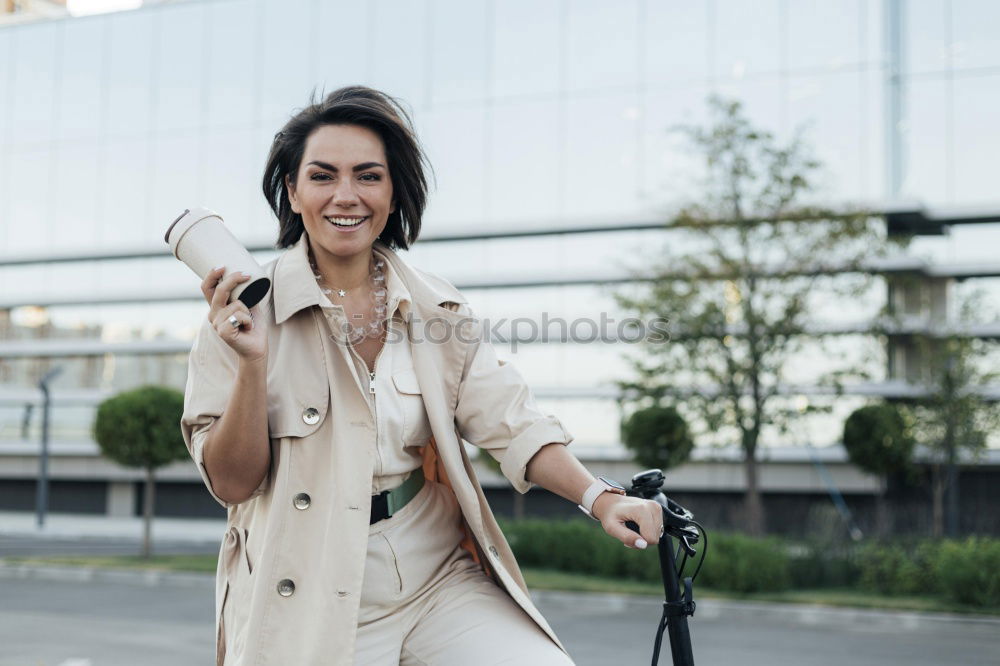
x: 50, y: 623
x: 23, y: 546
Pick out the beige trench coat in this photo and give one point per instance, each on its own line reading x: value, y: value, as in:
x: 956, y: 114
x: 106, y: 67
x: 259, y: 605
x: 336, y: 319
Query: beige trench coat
x: 270, y: 543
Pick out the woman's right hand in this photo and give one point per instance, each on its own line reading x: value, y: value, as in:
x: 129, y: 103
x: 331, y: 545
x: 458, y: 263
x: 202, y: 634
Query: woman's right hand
x: 249, y: 341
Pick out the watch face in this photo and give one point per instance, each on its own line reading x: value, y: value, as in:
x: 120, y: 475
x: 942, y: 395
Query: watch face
x: 611, y: 482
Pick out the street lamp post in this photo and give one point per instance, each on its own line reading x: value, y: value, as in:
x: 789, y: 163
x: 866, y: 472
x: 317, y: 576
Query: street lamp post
x: 42, y: 497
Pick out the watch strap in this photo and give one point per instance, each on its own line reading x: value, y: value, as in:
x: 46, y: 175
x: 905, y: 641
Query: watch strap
x: 593, y: 491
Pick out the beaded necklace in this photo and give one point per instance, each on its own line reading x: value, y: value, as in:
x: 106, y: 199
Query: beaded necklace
x: 379, y: 295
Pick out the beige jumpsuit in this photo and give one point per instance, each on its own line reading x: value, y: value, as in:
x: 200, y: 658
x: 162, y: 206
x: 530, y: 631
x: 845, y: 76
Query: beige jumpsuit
x: 424, y: 600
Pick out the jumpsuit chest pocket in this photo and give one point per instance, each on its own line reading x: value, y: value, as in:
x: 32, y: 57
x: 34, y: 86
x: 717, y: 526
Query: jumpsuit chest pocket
x: 416, y: 428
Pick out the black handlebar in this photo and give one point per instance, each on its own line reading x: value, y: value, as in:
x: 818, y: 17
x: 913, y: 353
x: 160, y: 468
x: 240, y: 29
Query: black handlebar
x: 678, y: 523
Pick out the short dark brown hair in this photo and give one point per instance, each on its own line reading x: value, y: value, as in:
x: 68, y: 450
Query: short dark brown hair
x: 369, y: 108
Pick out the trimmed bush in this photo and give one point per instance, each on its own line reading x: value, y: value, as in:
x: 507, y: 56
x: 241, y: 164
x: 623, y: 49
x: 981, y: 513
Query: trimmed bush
x: 658, y: 437
x: 879, y: 439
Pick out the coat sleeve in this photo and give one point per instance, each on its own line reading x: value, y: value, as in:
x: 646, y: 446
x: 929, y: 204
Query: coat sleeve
x: 497, y: 412
x: 212, y: 366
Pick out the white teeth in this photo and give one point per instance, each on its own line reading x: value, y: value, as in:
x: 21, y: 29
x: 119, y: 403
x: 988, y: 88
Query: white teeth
x: 346, y: 221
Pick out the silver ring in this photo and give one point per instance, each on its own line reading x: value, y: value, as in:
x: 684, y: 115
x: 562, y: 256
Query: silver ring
x: 234, y: 321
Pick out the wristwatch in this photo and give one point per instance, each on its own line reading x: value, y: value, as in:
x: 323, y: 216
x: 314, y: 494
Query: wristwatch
x: 602, y: 485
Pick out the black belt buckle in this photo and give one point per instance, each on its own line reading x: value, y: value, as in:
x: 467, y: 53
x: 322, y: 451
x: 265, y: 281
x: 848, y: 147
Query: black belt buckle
x: 380, y: 507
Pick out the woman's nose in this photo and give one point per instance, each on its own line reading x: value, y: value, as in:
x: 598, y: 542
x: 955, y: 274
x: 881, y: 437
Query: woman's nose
x: 343, y: 192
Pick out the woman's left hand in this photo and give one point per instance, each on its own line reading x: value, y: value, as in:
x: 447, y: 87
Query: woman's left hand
x: 613, y: 510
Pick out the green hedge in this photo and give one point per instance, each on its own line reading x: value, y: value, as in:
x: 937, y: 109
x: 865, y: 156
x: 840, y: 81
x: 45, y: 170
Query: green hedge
x: 736, y: 562
x: 969, y: 571
x: 966, y: 572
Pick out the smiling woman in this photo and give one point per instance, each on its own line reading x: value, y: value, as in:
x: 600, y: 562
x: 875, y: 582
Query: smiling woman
x: 302, y: 432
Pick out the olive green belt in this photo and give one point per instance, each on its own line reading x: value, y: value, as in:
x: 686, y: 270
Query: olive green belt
x: 389, y: 502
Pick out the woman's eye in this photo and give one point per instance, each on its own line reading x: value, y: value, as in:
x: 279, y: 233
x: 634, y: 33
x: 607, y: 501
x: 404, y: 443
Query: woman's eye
x: 374, y: 176
x: 319, y: 176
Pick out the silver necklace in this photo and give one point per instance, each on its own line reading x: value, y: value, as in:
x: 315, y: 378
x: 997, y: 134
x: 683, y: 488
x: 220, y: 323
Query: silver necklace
x: 379, y: 295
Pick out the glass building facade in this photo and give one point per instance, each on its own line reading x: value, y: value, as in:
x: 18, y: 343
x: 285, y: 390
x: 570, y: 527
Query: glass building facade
x: 536, y: 115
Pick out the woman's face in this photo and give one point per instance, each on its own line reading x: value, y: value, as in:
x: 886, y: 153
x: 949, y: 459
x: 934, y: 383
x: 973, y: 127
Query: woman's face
x: 343, y: 191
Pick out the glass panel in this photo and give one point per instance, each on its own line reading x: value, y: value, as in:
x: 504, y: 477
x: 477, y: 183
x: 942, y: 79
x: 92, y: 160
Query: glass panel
x: 671, y: 171
x: 30, y: 192
x: 602, y: 173
x: 741, y: 50
x: 456, y: 147
x: 526, y: 53
x: 75, y: 191
x: 180, y: 34
x: 924, y: 35
x: 287, y: 74
x: 33, y: 83
x: 823, y: 34
x: 230, y: 179
x: 354, y: 42
x: 263, y: 223
x: 763, y: 102
x: 977, y: 142
x: 231, y: 65
x: 872, y: 36
x: 22, y: 283
x: 677, y: 39
x: 458, y: 50
x: 81, y: 83
x: 124, y: 195
x: 400, y: 70
x: 174, y: 183
x: 925, y: 176
x: 974, y: 33
x: 6, y: 76
x: 63, y: 280
x: 829, y: 107
x: 977, y: 243
x: 129, y: 110
x: 602, y: 44
x: 524, y: 174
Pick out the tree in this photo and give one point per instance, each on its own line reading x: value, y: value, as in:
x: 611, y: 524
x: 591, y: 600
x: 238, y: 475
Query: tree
x: 879, y: 440
x: 955, y: 418
x: 739, y: 284
x: 658, y: 437
x: 138, y: 428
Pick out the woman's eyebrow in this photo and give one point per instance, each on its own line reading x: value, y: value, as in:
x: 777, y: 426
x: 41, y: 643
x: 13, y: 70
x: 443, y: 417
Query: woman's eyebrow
x: 358, y: 167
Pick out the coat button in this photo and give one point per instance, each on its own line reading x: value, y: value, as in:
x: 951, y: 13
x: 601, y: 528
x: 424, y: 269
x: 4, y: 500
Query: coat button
x: 310, y: 416
x: 494, y: 553
x: 286, y: 587
x: 301, y: 501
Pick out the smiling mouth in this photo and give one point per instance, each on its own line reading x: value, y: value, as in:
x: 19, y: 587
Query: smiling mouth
x: 345, y: 222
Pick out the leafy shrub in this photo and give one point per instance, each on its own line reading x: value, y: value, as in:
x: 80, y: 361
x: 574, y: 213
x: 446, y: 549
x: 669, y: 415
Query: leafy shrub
x: 969, y: 571
x: 744, y: 564
x: 819, y: 565
x: 897, y: 569
x: 734, y: 562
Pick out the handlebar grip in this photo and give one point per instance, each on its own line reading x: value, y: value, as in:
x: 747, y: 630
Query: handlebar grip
x: 632, y: 525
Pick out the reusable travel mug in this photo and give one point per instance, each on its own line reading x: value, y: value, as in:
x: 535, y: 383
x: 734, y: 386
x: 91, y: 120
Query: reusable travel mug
x: 200, y: 239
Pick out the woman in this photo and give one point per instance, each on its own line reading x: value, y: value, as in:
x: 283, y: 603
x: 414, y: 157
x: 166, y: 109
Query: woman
x: 328, y: 420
